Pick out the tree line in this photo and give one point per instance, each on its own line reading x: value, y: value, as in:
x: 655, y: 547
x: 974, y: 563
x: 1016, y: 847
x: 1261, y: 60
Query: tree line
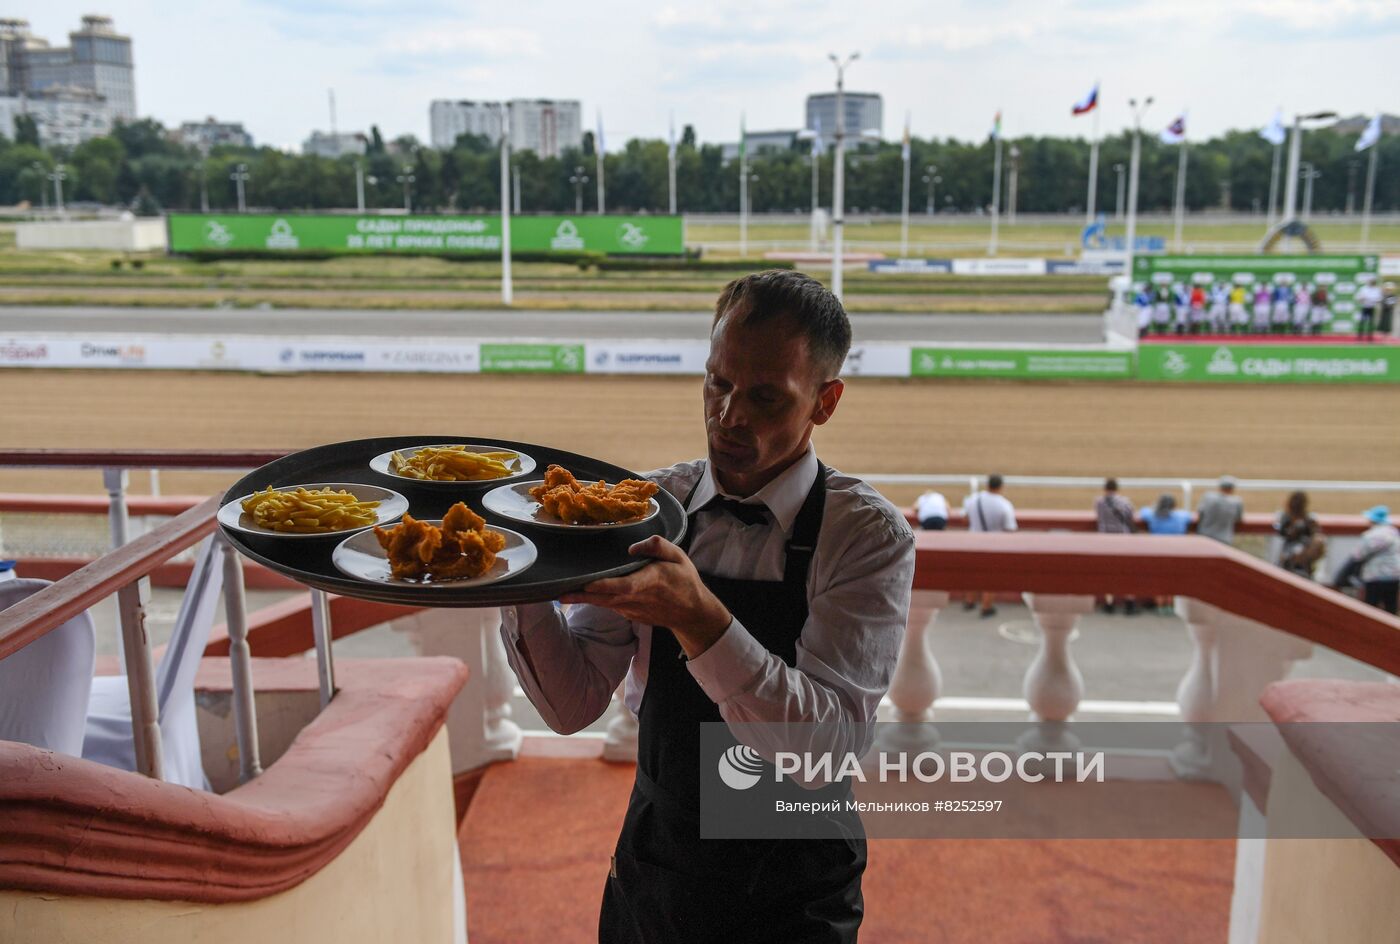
x: 141, y: 167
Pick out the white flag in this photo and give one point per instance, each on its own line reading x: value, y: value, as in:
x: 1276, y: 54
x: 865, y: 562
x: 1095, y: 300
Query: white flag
x: 1175, y: 132
x: 1274, y: 131
x: 1371, y: 134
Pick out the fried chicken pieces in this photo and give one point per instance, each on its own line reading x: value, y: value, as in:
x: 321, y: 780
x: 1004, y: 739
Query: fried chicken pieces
x: 598, y: 503
x: 462, y: 547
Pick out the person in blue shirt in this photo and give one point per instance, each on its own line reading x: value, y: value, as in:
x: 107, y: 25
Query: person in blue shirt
x: 1165, y: 518
x: 1283, y: 308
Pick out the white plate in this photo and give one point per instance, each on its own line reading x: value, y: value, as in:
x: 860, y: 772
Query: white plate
x: 392, y: 505
x: 514, y: 502
x: 361, y: 557
x: 522, y: 464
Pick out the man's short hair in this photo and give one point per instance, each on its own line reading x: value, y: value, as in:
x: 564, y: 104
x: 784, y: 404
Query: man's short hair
x: 1110, y: 484
x: 815, y: 312
x: 993, y: 482
x: 1227, y: 483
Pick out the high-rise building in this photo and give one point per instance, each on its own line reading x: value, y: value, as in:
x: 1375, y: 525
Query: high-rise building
x: 97, y: 59
x: 63, y: 115
x: 865, y: 111
x: 547, y: 127
x: 209, y: 133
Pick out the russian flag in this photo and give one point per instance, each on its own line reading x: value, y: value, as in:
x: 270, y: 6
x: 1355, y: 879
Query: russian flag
x: 1089, y: 102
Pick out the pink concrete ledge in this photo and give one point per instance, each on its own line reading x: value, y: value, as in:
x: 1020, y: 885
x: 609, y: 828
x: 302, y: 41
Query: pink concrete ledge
x: 1358, y: 774
x: 74, y: 827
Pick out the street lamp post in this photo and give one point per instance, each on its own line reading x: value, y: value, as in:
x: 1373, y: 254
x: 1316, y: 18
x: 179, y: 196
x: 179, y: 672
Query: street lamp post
x: 406, y: 178
x: 932, y: 182
x: 578, y: 179
x: 1013, y: 188
x: 58, y: 177
x: 240, y: 178
x: 1352, y: 166
x: 1118, y: 207
x: 838, y: 195
x: 1134, y: 162
x: 1309, y: 174
x: 1295, y: 154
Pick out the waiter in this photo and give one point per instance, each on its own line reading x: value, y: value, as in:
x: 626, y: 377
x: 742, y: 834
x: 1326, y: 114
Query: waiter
x: 785, y: 603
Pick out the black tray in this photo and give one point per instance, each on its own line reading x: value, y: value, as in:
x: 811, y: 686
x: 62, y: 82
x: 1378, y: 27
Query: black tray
x: 567, y: 560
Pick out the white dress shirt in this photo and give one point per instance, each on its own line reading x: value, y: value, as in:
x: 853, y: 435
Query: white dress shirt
x: 858, y: 589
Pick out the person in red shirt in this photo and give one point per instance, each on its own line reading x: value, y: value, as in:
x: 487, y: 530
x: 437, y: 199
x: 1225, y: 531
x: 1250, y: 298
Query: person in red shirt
x: 1198, y: 309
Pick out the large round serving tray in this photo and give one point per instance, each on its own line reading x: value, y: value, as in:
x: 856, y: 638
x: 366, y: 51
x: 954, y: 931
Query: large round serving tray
x: 567, y: 560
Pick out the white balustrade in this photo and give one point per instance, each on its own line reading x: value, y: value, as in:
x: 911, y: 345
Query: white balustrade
x: 917, y: 680
x: 1053, y: 684
x: 479, y: 726
x: 1233, y: 660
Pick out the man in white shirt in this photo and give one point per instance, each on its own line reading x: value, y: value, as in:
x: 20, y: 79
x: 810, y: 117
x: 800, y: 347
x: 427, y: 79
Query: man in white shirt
x: 988, y: 510
x: 785, y: 603
x: 932, y: 511
x: 1368, y: 297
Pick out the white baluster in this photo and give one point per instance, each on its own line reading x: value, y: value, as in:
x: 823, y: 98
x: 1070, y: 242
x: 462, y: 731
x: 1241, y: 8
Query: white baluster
x: 503, y: 735
x: 917, y: 679
x: 1053, y: 685
x: 620, y: 744
x: 1195, y: 696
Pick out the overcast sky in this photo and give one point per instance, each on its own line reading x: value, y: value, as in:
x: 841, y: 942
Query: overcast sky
x: 951, y: 65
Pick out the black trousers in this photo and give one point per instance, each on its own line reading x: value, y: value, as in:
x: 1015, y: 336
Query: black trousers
x: 1384, y: 594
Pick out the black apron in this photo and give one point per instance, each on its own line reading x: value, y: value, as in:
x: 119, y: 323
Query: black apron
x: 666, y: 884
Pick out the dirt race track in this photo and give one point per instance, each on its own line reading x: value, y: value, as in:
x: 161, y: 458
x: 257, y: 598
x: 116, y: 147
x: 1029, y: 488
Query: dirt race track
x: 1274, y: 432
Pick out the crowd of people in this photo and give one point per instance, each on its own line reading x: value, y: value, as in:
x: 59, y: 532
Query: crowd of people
x: 1372, y: 570
x: 1281, y: 308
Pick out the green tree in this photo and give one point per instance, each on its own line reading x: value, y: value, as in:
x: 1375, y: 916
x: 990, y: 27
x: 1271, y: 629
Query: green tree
x: 26, y: 130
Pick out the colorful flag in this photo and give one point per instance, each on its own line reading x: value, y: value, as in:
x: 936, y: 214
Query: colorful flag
x: 1371, y: 134
x: 1175, y: 133
x: 1089, y: 102
x: 996, y: 126
x: 904, y: 151
x: 1274, y: 131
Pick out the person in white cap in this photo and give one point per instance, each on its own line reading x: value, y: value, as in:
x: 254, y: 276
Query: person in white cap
x: 1219, y: 512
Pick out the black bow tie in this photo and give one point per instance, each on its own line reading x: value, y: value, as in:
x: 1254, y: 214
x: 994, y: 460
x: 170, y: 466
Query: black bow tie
x: 747, y: 514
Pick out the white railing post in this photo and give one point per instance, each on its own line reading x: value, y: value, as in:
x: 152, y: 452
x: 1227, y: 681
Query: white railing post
x: 917, y: 680
x: 240, y: 657
x: 1234, y: 660
x: 140, y: 681
x: 620, y: 742
x: 118, y: 522
x: 480, y: 729
x: 1053, y: 683
x: 321, y: 634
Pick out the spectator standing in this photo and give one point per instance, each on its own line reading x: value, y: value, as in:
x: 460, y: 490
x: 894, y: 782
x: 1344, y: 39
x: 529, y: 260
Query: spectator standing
x: 1368, y: 297
x: 1378, y: 557
x: 1113, y: 514
x: 932, y: 511
x: 1387, y: 325
x: 1303, y: 544
x: 1321, y: 309
x: 1219, y: 512
x: 988, y: 511
x: 1165, y: 518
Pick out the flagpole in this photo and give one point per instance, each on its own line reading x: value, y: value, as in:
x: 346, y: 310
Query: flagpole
x: 904, y: 208
x: 996, y: 195
x: 1370, y: 192
x: 1130, y: 238
x: 838, y: 187
x: 816, y: 186
x: 1180, y: 194
x: 743, y: 190
x: 507, y: 287
x: 1273, y: 187
x: 598, y: 152
x: 671, y: 167
x: 1092, y: 203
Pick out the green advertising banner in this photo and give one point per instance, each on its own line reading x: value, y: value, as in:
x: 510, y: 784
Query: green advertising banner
x: 1043, y: 364
x: 614, y: 235
x: 1270, y: 363
x: 532, y: 358
x: 1339, y: 275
